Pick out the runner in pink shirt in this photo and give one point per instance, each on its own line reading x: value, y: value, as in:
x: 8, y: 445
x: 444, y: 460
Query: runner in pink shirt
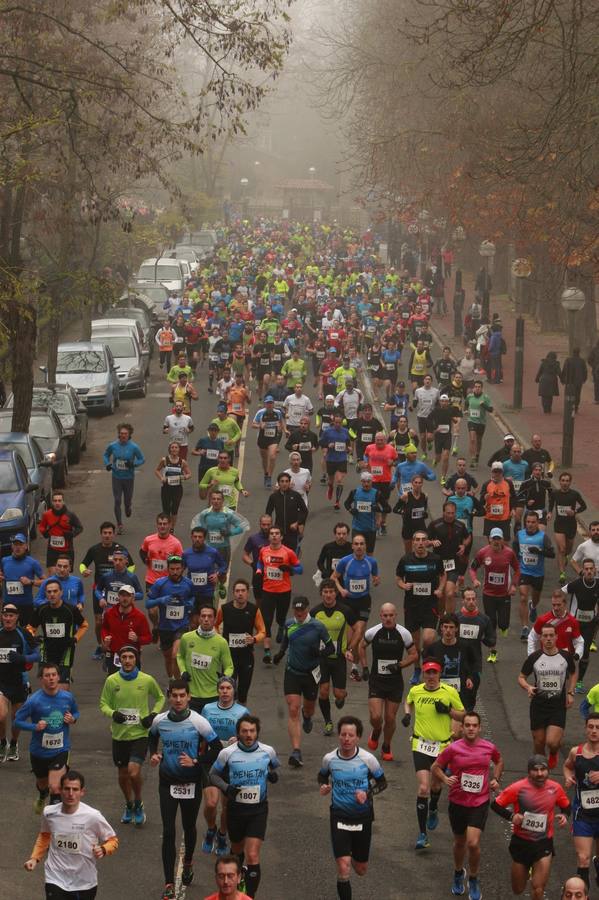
x: 467, y: 761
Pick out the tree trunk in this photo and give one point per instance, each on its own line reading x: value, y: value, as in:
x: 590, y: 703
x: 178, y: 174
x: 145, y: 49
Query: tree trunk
x: 21, y: 321
x: 54, y: 324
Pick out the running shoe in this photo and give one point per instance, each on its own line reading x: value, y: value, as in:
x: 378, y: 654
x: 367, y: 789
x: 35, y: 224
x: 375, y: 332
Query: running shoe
x: 433, y: 819
x: 3, y: 751
x: 295, y: 759
x: 383, y: 530
x: 373, y: 740
x: 457, y: 886
x: 423, y: 456
x: 209, y: 839
x: 268, y: 482
x: 13, y: 752
x: 422, y: 842
x: 579, y: 689
x: 443, y: 480
x: 337, y: 507
x: 280, y: 635
x: 222, y: 591
x: 127, y: 816
x: 307, y: 723
x: 222, y: 846
x: 593, y: 647
x: 328, y: 728
x: 340, y: 703
x: 139, y: 814
x: 474, y: 891
x: 38, y: 804
x: 524, y: 633
x: 168, y: 892
x: 119, y: 529
x: 596, y: 867
x: 492, y: 657
x: 98, y: 654
x: 267, y: 659
x: 532, y: 613
x: 562, y: 577
x: 415, y: 679
x: 354, y: 674
x: 386, y: 753
x: 504, y: 632
x: 323, y: 479
x: 365, y: 673
x: 454, y: 451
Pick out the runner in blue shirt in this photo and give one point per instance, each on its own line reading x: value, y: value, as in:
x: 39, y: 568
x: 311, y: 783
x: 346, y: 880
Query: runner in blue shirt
x: 48, y: 715
x: 19, y: 573
x: 336, y: 441
x: 122, y: 457
x: 205, y: 566
x: 174, y: 596
x: 73, y: 592
x: 351, y: 776
x: 353, y: 576
x: 405, y: 471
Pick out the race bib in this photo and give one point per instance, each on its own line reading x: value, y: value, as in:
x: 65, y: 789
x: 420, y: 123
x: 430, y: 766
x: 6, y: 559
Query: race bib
x: 173, y: 480
x: 274, y: 574
x: 451, y: 682
x: 200, y: 579
x: 422, y: 589
x: 383, y: 666
x: 201, y: 660
x: 270, y: 432
x: 183, y: 791
x: 517, y: 485
x: 215, y: 537
x: 213, y: 357
x: 14, y: 587
x: 53, y: 741
x: 131, y: 715
x: 443, y: 429
x: 55, y: 630
x: 471, y: 784
x: 237, y: 641
x: 57, y: 541
x: 211, y: 453
x: 334, y: 564
x: 112, y: 598
x: 237, y: 407
x: 590, y: 799
x: 496, y: 578
x: 429, y: 748
x: 540, y: 513
x: 174, y: 613
x: 159, y: 565
x: 367, y: 439
x: 496, y: 509
x: 316, y: 674
x: 564, y: 510
x: 534, y: 822
x: 357, y: 585
x: 363, y: 506
x: 4, y: 651
x: 474, y: 413
x: 304, y: 446
x: 347, y: 826
x: 549, y: 684
x: 585, y: 615
x: 68, y: 843
x: 449, y: 565
x: 121, y: 464
x: 116, y: 661
x: 468, y: 631
x: 226, y: 490
x: 529, y: 559
x: 418, y: 513
x: 340, y: 447
x: 407, y: 488
x: 249, y: 794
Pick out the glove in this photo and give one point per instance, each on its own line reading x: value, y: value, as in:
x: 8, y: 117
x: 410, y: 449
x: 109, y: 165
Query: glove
x: 147, y: 720
x: 277, y: 658
x: 109, y: 467
x: 186, y: 676
x: 441, y: 707
x: 15, y: 657
x: 406, y: 720
x: 284, y: 567
x: 365, y: 673
x: 130, y: 464
x: 273, y: 777
x: 393, y: 669
x: 232, y: 792
x: 119, y: 717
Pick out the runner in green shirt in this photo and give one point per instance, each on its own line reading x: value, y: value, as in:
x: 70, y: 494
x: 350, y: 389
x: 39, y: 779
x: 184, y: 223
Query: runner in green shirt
x: 125, y: 699
x: 228, y: 429
x: 476, y: 406
x: 203, y: 657
x: 294, y: 370
x: 225, y: 478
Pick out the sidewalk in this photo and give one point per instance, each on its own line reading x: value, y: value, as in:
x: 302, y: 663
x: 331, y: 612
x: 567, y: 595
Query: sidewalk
x: 531, y: 418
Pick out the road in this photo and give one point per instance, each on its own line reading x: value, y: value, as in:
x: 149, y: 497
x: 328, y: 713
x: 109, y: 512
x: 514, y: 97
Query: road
x: 296, y: 859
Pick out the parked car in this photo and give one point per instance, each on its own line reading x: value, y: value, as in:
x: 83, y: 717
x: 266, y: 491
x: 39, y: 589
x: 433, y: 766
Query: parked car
x: 168, y: 272
x: 39, y: 469
x: 142, y: 317
x: 66, y: 403
x: 124, y: 326
x: 129, y: 359
x: 183, y: 251
x: 89, y: 367
x: 141, y: 301
x: 203, y: 242
x: 45, y: 425
x: 156, y: 295
x: 17, y: 500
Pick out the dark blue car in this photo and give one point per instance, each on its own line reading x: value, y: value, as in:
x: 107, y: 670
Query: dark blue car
x: 17, y: 499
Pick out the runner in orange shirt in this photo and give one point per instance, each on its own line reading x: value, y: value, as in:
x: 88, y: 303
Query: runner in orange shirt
x: 380, y: 459
x: 276, y: 564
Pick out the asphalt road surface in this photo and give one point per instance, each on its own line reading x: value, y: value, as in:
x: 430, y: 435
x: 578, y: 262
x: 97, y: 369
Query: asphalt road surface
x: 297, y: 861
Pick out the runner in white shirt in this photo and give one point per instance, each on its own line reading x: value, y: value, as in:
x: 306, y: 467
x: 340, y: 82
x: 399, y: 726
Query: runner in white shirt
x: 75, y: 835
x: 178, y: 426
x: 295, y: 406
x: 301, y: 479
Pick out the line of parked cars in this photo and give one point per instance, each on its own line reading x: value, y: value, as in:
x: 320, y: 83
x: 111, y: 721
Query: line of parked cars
x: 91, y: 377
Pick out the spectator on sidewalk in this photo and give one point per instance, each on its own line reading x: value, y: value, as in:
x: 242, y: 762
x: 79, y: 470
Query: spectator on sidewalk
x: 575, y: 372
x: 593, y: 361
x: 548, y: 378
x: 495, y: 349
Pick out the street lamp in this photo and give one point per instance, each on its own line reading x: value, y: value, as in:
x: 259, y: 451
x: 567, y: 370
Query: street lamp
x: 573, y: 300
x: 244, y: 197
x: 521, y: 270
x: 487, y: 251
